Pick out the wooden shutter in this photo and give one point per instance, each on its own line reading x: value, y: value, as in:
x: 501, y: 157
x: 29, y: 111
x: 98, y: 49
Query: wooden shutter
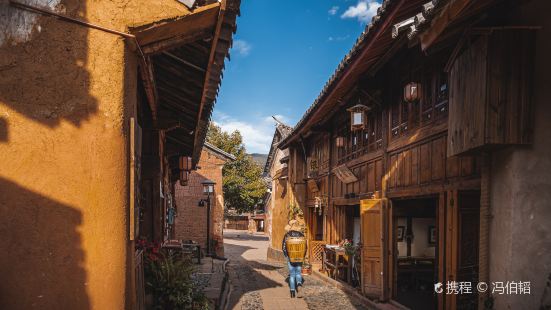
x: 372, y: 227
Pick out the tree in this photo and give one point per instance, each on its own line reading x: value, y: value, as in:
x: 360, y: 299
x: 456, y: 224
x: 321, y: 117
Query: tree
x: 243, y: 184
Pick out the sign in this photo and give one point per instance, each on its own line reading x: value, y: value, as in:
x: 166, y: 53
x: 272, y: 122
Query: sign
x: 344, y: 174
x: 312, y: 165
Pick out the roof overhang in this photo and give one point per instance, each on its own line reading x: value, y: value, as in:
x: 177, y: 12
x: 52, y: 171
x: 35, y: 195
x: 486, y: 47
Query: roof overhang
x: 181, y: 73
x: 373, y: 44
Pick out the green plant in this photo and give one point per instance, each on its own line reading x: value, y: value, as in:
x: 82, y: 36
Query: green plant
x: 349, y: 247
x: 295, y: 211
x: 169, y: 279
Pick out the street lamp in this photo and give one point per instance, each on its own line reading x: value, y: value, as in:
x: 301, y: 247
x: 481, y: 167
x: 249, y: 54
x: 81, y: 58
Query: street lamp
x: 208, y: 189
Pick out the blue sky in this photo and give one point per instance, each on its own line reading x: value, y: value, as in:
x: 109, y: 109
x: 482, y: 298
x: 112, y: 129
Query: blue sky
x: 283, y: 54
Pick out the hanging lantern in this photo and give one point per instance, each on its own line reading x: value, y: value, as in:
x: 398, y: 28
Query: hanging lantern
x: 358, y: 118
x: 339, y: 141
x: 184, y: 178
x: 185, y: 163
x: 412, y: 92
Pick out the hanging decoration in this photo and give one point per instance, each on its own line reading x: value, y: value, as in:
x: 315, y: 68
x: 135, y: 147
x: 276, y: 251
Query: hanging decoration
x: 358, y: 117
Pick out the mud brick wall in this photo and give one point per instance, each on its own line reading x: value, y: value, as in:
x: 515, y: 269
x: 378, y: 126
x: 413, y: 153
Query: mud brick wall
x: 191, y: 220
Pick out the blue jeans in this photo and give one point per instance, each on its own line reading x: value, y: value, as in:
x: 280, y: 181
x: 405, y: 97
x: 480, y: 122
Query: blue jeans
x: 295, y: 276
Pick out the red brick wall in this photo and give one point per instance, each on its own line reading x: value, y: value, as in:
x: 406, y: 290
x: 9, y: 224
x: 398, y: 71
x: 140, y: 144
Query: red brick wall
x: 190, y: 223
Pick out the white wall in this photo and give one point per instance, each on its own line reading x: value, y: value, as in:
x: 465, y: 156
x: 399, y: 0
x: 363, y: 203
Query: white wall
x: 420, y: 244
x: 520, y: 194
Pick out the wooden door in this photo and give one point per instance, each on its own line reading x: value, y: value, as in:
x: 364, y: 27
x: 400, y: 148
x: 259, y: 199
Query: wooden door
x: 451, y: 246
x: 392, y: 275
x: 373, y: 249
x: 468, y: 242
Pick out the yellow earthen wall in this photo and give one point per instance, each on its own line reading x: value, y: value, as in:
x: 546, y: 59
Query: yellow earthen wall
x: 279, y: 211
x: 66, y: 95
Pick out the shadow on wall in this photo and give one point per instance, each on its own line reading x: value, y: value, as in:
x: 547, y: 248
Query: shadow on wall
x: 44, y: 80
x: 41, y: 260
x: 43, y: 73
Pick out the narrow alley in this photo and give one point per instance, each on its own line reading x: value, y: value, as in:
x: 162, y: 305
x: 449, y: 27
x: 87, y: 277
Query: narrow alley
x: 240, y: 155
x: 258, y: 284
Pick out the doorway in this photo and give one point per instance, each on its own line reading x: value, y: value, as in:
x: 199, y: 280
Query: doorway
x: 416, y: 247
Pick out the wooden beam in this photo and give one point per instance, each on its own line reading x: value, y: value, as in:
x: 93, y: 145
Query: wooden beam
x: 219, y: 24
x: 396, y: 46
x: 160, y: 46
x: 146, y: 72
x: 203, y: 18
x: 439, y: 23
x: 185, y: 62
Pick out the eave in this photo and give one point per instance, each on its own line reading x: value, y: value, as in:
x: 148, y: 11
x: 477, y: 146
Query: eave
x: 370, y: 47
x: 184, y: 60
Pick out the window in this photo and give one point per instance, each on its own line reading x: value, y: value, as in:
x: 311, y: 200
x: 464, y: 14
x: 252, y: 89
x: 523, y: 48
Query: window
x: 433, y: 106
x: 359, y: 142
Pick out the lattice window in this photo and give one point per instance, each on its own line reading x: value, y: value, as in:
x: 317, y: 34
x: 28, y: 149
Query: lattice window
x: 316, y: 251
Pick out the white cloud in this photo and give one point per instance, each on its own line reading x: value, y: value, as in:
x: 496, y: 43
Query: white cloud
x: 242, y: 47
x: 333, y: 10
x: 257, y: 134
x: 363, y: 11
x: 340, y: 38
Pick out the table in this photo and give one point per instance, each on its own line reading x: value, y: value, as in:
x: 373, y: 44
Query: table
x: 185, y: 248
x: 335, y: 259
x: 191, y: 247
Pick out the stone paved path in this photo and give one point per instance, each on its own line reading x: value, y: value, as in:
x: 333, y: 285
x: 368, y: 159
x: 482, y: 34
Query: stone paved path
x: 258, y: 284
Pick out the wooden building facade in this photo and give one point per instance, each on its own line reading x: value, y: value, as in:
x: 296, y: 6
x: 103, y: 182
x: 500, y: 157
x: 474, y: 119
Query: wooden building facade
x: 396, y: 153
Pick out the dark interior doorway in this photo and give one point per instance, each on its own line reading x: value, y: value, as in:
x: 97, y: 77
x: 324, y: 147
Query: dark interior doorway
x: 416, y: 240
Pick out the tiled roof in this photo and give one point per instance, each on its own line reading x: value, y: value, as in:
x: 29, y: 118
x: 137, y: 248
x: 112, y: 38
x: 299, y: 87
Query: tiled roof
x: 219, y: 151
x: 284, y: 131
x: 413, y: 25
x: 345, y: 62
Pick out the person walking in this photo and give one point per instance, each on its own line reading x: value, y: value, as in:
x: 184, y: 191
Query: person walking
x: 294, y: 250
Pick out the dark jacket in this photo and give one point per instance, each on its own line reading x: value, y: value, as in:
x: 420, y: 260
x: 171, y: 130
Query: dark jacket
x: 291, y: 233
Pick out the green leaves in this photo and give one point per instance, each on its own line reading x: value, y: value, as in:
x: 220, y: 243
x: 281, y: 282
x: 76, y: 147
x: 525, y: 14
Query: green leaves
x: 168, y: 278
x: 243, y: 184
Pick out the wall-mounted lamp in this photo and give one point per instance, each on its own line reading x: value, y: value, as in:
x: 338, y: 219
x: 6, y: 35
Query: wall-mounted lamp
x: 412, y: 92
x: 208, y: 187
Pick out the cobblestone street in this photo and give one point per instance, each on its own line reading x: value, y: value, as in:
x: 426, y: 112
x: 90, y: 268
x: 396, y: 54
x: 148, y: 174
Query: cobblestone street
x: 258, y: 284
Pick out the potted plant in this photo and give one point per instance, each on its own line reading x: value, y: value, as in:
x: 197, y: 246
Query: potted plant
x: 306, y: 267
x: 169, y: 281
x: 349, y: 247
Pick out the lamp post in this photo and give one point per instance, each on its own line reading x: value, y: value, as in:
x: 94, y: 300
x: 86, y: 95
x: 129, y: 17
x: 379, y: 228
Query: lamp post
x: 208, y: 189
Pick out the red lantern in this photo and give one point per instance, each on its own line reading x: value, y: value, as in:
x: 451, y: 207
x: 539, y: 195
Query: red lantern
x: 412, y: 92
